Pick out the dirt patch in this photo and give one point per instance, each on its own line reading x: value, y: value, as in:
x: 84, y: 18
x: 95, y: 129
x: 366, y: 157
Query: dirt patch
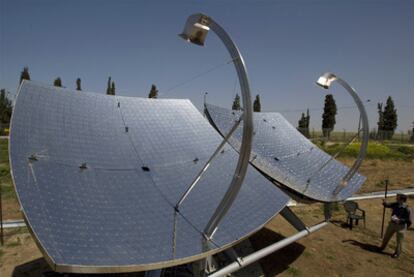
x: 400, y: 174
x: 335, y: 250
x: 332, y: 251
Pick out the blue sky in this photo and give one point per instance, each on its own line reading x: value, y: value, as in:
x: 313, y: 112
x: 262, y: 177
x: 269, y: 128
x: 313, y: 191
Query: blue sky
x: 286, y: 46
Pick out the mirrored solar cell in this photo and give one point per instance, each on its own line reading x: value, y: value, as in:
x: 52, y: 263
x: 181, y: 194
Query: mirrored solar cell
x: 98, y: 178
x: 286, y: 156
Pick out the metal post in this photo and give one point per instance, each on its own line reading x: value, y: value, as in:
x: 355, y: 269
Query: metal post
x: 1, y: 214
x: 249, y: 259
x: 383, y: 211
x: 207, y: 164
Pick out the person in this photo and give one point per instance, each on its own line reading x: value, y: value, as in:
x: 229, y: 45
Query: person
x: 400, y: 220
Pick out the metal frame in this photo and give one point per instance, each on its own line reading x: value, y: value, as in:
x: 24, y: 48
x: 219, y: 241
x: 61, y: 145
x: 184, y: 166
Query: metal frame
x: 195, y: 31
x: 325, y: 82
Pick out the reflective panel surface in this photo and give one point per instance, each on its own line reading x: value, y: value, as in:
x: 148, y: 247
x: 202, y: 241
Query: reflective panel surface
x: 98, y: 177
x: 286, y: 156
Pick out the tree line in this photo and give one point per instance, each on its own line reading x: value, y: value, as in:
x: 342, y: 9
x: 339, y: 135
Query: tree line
x: 6, y: 105
x: 386, y: 125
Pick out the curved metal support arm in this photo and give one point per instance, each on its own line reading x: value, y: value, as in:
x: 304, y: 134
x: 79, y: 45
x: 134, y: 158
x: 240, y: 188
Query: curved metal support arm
x: 246, y: 143
x: 325, y: 81
x: 365, y: 134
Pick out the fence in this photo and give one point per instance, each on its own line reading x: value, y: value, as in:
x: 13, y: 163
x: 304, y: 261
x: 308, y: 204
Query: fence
x: 406, y: 137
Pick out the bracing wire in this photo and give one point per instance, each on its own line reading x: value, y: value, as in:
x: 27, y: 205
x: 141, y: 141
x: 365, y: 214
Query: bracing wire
x: 180, y: 84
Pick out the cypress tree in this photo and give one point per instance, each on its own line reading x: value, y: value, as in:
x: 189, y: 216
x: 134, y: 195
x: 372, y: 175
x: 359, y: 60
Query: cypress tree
x: 236, y: 103
x: 390, y: 118
x: 307, y: 121
x: 24, y: 75
x: 153, y: 92
x: 78, y: 84
x: 113, y: 88
x: 257, y: 107
x: 412, y: 134
x: 328, y: 116
x: 380, y: 123
x: 108, y: 86
x: 303, y: 124
x: 57, y: 82
x: 5, y: 107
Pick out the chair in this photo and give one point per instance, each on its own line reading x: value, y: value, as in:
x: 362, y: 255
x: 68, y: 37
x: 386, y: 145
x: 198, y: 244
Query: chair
x: 354, y: 213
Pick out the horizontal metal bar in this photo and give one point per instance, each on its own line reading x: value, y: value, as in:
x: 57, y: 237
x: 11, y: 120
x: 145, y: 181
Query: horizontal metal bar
x: 249, y: 259
x: 380, y: 194
x: 13, y: 223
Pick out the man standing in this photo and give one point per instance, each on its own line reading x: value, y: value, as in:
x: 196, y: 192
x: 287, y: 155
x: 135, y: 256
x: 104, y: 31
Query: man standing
x: 400, y: 221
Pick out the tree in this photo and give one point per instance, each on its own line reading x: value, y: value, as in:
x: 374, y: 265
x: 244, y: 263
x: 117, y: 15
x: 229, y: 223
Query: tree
x: 412, y: 134
x: 257, y: 107
x: 5, y: 107
x: 236, y: 103
x: 153, y: 92
x: 24, y: 75
x: 380, y: 123
x: 57, y: 82
x: 303, y: 124
x: 328, y: 116
x: 113, y: 88
x: 390, y: 118
x: 110, y: 88
x: 78, y: 84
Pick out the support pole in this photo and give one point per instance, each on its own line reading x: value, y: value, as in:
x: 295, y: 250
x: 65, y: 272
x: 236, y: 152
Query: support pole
x: 206, y: 166
x: 249, y: 259
x: 383, y: 211
x: 1, y: 215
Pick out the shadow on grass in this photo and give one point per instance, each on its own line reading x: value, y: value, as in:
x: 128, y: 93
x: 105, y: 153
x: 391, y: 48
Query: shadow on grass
x: 35, y: 268
x: 366, y: 246
x: 340, y: 223
x: 280, y: 260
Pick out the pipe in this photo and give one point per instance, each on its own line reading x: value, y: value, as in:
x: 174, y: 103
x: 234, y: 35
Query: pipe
x: 249, y: 259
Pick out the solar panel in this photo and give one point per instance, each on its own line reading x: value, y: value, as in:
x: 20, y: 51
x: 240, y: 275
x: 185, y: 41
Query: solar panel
x: 98, y: 177
x: 286, y: 156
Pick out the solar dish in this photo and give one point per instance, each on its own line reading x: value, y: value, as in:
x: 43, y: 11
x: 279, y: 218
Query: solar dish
x: 98, y: 178
x: 284, y: 155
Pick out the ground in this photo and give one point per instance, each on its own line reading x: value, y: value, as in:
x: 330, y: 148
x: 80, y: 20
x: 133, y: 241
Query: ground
x: 335, y: 250
x: 332, y: 251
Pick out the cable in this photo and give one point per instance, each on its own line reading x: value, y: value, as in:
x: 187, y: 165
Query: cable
x: 196, y: 77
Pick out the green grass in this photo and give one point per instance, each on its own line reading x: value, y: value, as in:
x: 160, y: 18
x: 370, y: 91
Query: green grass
x: 19, y: 230
x: 14, y: 243
x: 342, y: 136
x: 7, y: 189
x: 374, y: 151
x: 329, y: 257
x: 293, y: 271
